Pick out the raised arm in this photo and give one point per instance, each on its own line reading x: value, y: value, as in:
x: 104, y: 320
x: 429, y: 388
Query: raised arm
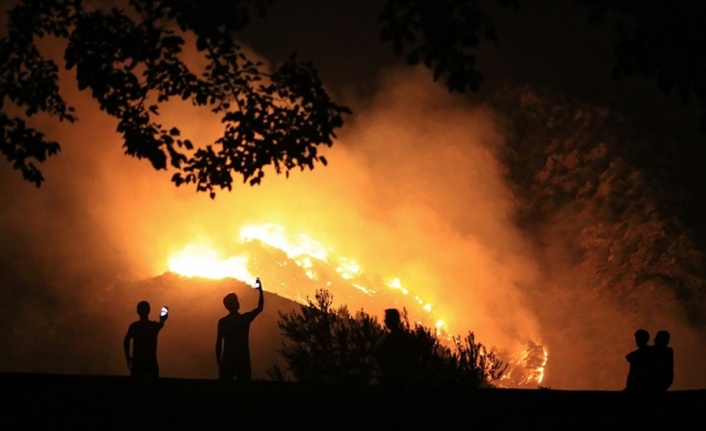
x: 260, y: 301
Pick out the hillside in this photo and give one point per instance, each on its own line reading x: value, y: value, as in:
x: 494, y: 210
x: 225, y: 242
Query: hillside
x: 88, y: 339
x: 566, y: 230
x: 614, y: 211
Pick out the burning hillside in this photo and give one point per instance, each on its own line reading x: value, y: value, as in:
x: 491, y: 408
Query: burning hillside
x: 527, y: 222
x: 295, y: 266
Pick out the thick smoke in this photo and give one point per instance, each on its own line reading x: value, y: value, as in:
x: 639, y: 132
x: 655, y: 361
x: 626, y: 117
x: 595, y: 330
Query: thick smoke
x: 414, y: 190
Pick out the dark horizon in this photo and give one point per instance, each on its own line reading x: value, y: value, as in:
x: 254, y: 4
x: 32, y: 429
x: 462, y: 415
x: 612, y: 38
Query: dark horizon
x: 34, y: 400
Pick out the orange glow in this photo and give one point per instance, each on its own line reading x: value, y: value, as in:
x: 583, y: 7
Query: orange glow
x: 274, y: 235
x: 374, y: 234
x: 348, y: 269
x: 527, y: 368
x: 300, y: 248
x: 200, y: 260
x: 397, y: 284
x: 536, y: 375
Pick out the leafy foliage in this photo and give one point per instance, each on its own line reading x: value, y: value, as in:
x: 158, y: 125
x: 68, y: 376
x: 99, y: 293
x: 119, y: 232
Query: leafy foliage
x: 623, y: 204
x: 466, y: 362
x: 324, y: 345
x: 477, y: 365
x: 131, y: 60
x: 614, y: 211
x: 327, y: 345
x: 667, y: 45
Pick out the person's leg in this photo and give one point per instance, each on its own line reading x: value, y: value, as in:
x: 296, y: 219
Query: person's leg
x: 244, y: 371
x: 144, y: 369
x: 226, y: 371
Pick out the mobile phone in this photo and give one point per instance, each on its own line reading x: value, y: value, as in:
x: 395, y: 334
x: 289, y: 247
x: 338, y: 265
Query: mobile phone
x: 165, y: 311
x: 257, y: 283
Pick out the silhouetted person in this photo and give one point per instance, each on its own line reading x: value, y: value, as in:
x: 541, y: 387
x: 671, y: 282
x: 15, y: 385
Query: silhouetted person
x: 143, y: 334
x: 232, y: 342
x: 394, y: 356
x: 640, y: 375
x: 663, y: 362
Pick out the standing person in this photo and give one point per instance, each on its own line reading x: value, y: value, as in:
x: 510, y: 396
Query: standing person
x: 640, y: 373
x: 394, y: 352
x: 234, y: 331
x: 664, y: 362
x: 143, y: 334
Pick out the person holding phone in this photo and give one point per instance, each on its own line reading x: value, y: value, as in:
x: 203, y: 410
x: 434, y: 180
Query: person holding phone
x: 142, y: 334
x: 232, y: 340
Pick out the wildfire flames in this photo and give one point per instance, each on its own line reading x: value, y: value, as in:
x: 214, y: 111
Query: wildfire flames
x: 325, y: 268
x: 200, y: 260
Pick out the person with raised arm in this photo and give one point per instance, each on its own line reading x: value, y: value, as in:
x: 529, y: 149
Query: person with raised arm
x: 233, y: 338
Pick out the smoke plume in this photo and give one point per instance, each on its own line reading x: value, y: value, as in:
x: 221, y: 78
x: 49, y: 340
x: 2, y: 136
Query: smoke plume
x: 415, y: 190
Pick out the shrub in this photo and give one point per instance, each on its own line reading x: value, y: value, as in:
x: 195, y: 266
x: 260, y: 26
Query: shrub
x: 327, y: 345
x: 324, y: 345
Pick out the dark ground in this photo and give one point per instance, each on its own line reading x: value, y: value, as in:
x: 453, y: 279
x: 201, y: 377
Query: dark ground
x: 43, y: 401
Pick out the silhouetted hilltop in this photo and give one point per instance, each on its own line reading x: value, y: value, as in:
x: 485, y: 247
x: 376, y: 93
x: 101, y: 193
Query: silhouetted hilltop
x: 186, y: 344
x: 87, y: 339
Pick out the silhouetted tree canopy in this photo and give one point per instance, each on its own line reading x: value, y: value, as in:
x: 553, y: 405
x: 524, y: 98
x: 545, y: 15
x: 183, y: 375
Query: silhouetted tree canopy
x: 131, y: 61
x: 660, y: 40
x: 442, y: 34
x: 664, y: 41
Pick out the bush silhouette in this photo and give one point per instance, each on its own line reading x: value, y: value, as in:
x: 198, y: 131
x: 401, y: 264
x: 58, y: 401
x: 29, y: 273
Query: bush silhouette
x: 326, y: 345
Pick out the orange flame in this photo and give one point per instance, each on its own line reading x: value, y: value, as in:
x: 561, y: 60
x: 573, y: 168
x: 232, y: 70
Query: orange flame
x: 200, y: 259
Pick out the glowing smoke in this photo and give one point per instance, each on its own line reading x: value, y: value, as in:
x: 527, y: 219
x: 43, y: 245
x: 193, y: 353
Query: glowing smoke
x: 413, y: 193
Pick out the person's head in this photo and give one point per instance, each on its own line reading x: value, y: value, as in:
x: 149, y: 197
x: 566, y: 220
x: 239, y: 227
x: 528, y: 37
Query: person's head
x: 662, y: 339
x: 642, y: 337
x: 143, y: 309
x: 231, y: 302
x: 392, y: 319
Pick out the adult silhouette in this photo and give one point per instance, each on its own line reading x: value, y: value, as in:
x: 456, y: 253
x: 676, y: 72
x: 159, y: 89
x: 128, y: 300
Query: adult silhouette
x: 232, y: 341
x: 640, y: 374
x: 663, y: 362
x: 142, y: 361
x: 394, y: 356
